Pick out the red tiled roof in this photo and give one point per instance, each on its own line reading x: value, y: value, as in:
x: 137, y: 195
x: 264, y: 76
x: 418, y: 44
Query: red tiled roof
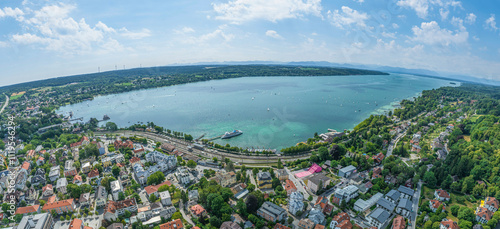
x: 93, y: 173
x: 341, y: 217
x: 27, y: 209
x: 435, y: 204
x: 134, y: 160
x: 197, y: 209
x: 153, y: 188
x: 399, y: 223
x: 49, y: 206
x: 175, y: 224
x: 112, y: 206
x: 491, y: 201
x: 75, y: 224
x: 279, y: 226
x: 442, y: 193
x: 450, y: 224
x: 48, y: 186
x: 346, y: 224
x: 26, y: 165
x: 319, y: 226
x: 484, y: 213
x: 77, y: 177
x: 289, y: 185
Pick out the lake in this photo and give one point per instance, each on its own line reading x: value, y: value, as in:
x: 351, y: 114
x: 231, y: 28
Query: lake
x: 272, y: 112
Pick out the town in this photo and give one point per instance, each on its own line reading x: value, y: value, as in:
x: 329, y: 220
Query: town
x: 388, y: 172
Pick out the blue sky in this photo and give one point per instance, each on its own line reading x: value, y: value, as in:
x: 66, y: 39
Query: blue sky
x: 44, y: 39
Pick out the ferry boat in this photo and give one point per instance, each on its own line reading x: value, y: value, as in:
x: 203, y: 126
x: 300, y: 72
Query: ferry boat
x: 231, y: 134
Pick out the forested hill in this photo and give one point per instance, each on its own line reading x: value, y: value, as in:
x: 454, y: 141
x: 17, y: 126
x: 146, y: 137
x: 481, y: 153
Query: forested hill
x: 157, y: 76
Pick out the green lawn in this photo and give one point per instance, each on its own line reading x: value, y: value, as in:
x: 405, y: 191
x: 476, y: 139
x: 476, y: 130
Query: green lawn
x: 428, y: 194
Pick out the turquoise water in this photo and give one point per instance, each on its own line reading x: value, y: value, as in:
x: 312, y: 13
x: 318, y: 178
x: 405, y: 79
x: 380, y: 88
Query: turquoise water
x: 298, y: 106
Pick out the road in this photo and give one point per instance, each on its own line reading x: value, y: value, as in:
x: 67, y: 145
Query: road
x: 394, y: 143
x: 416, y: 198
x: 6, y: 103
x: 298, y: 183
x: 186, y: 217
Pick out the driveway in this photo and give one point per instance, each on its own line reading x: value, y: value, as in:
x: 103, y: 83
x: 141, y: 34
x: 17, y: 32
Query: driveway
x: 298, y: 183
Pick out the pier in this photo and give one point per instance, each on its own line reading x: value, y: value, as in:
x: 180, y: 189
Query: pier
x: 211, y: 139
x: 200, y: 137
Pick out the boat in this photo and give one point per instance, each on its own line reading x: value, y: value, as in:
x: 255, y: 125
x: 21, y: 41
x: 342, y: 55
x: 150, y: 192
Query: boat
x: 231, y: 134
x: 268, y: 109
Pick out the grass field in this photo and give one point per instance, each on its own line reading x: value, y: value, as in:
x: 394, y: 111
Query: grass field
x: 17, y: 95
x: 474, y: 118
x: 428, y: 194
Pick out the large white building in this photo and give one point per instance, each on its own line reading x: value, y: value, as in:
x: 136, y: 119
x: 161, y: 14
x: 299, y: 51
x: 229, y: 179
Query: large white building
x: 165, y: 162
x: 116, y: 188
x: 363, y: 205
x: 183, y: 176
x: 347, y: 193
x: 378, y: 217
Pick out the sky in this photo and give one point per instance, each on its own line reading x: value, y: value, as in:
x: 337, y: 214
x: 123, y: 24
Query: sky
x: 44, y: 39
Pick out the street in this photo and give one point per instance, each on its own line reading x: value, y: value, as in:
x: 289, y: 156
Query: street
x: 416, y: 199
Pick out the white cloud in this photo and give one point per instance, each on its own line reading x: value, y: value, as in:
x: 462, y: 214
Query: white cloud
x: 9, y: 12
x: 238, y: 11
x: 52, y: 28
x: 430, y: 33
x: 273, y: 34
x: 491, y: 23
x: 359, y: 1
x: 135, y: 35
x: 421, y: 7
x: 187, y: 30
x: 395, y: 26
x: 347, y: 17
x: 389, y: 35
x: 444, y: 13
x: 471, y: 18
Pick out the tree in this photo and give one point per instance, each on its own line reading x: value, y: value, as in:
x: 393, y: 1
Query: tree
x: 111, y: 126
x: 430, y: 179
x: 121, y: 196
x: 255, y: 171
x: 252, y: 203
x: 454, y: 210
x: 152, y: 198
x: 74, y: 190
x: 156, y: 178
x: 251, y: 187
x: 191, y: 164
x: 176, y: 215
x: 115, y: 170
x: 215, y: 221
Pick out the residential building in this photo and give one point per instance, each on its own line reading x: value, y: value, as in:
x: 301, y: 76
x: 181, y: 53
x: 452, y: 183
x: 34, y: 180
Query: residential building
x: 165, y: 198
x: 346, y: 171
x: 141, y: 175
x: 264, y: 180
x: 86, y: 167
x: 84, y: 199
x: 317, y: 216
x: 21, y: 179
x: 198, y: 211
x: 399, y: 223
x: 290, y: 187
x: 271, y: 212
x: 101, y: 196
x: 317, y: 182
x: 134, y: 160
x: 434, y: 205
x: 115, y: 226
x: 306, y: 224
x: 183, y: 175
x: 47, y: 190
x: 281, y: 174
x: 324, y: 205
x: 404, y: 207
x: 38, y: 221
x: 483, y: 215
x: 230, y: 225
x: 38, y: 180
x: 378, y: 217
x: 193, y: 195
x: 28, y: 210
x: 116, y: 188
x: 225, y: 179
x: 60, y: 206
x: 346, y: 224
x: 93, y: 174
x: 167, y: 148
x: 448, y: 224
x: 174, y: 224
x: 168, y: 162
x: 363, y: 205
x: 393, y: 196
x: 386, y: 205
x: 69, y: 168
x: 339, y: 218
x: 296, y: 204
x: 114, y: 209
x: 441, y: 195
x: 62, y: 183
x: 406, y: 192
x: 76, y: 224
x: 491, y: 203
x: 280, y: 226
x: 153, y: 189
x: 346, y: 193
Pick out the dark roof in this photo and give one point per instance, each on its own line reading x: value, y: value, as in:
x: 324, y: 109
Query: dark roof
x: 380, y: 215
x: 264, y: 176
x: 406, y: 190
x: 393, y: 194
x: 386, y: 204
x: 316, y: 178
x: 405, y: 204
